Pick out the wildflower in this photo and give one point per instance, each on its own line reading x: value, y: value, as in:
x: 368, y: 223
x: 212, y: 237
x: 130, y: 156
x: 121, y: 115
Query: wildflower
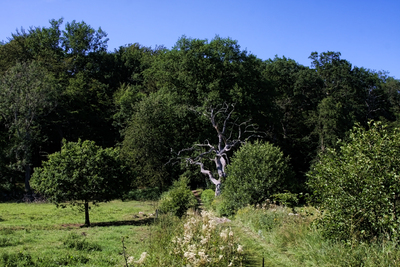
x: 142, y: 258
x: 224, y: 234
x: 220, y: 257
x: 130, y: 259
x: 240, y: 249
x: 230, y: 264
x: 203, y: 240
x: 230, y: 234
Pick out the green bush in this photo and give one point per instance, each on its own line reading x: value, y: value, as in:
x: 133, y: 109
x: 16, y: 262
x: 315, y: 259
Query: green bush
x: 257, y: 171
x: 358, y: 186
x: 207, y: 197
x: 178, y: 199
x: 143, y: 194
x: 287, y: 199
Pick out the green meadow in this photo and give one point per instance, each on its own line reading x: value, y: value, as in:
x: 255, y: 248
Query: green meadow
x: 42, y: 235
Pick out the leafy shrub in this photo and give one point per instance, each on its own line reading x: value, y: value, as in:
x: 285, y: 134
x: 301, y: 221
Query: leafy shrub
x: 287, y: 199
x: 257, y: 171
x: 178, y: 199
x: 207, y: 197
x: 358, y: 185
x: 143, y: 194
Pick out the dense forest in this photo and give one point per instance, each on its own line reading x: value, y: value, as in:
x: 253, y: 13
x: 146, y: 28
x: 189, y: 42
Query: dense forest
x: 61, y: 84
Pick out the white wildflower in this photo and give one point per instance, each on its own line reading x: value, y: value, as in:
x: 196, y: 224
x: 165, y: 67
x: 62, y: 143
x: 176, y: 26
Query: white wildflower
x: 224, y: 234
x: 142, y: 258
x: 130, y: 259
x: 240, y: 249
x: 203, y: 240
x: 230, y: 234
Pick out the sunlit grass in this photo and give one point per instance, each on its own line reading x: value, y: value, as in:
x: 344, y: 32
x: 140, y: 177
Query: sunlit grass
x: 285, y: 239
x: 41, y: 231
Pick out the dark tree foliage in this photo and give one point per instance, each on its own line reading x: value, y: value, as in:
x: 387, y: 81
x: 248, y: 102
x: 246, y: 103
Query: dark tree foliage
x: 112, y: 97
x: 158, y: 125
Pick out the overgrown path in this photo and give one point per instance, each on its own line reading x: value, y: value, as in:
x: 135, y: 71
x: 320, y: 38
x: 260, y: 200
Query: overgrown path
x: 197, y: 194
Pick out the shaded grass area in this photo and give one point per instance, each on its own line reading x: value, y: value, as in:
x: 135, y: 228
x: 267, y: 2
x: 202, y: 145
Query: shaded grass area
x: 42, y: 235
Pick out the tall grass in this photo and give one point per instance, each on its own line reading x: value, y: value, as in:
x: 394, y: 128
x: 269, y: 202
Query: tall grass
x: 198, y: 239
x: 286, y: 239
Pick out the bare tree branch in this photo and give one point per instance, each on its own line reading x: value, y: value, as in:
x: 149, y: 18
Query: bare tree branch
x: 218, y: 153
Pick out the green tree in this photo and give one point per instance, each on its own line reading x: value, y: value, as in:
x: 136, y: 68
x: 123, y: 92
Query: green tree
x: 80, y: 173
x: 297, y: 94
x: 206, y: 73
x: 27, y: 92
x: 357, y: 185
x: 257, y: 171
x: 159, y: 123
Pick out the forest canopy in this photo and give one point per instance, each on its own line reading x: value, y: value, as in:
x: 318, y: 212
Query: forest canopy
x: 146, y: 100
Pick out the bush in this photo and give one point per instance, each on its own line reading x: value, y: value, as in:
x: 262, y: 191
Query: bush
x: 257, y: 171
x: 143, y: 194
x: 358, y: 186
x: 178, y: 199
x: 207, y: 197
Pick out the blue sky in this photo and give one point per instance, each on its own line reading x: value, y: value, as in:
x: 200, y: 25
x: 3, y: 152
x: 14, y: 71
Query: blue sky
x: 366, y: 32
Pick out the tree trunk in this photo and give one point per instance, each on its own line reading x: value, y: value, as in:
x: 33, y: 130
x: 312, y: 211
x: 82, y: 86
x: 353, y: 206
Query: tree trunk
x: 87, y: 222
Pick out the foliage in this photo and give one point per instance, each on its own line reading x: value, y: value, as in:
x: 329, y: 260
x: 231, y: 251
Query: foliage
x: 27, y: 92
x: 195, y: 240
x: 158, y: 124
x: 357, y: 185
x: 80, y: 173
x: 207, y: 197
x: 143, y: 194
x: 257, y: 171
x: 283, y: 239
x: 178, y: 199
x: 287, y: 199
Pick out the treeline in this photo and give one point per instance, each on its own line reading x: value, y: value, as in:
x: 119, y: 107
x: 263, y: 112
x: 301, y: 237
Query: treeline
x: 142, y: 99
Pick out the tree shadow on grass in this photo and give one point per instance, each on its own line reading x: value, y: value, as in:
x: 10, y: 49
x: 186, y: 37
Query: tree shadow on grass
x: 137, y: 222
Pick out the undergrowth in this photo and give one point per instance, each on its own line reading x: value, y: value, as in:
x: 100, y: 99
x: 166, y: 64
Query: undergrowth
x: 284, y: 238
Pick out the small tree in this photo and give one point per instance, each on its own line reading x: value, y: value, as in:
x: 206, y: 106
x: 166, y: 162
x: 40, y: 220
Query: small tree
x: 80, y: 173
x: 257, y: 171
x: 358, y: 185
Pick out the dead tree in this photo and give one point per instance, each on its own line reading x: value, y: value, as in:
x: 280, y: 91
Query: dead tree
x: 230, y: 134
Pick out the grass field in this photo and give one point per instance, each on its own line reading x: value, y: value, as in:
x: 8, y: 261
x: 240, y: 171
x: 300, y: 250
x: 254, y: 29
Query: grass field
x: 43, y: 235
x: 54, y: 236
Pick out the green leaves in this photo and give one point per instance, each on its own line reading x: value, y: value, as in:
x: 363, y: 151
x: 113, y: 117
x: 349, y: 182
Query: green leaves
x: 358, y: 187
x: 82, y: 172
x: 257, y: 171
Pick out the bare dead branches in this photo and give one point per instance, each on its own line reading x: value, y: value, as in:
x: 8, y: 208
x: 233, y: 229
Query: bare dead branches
x: 230, y: 135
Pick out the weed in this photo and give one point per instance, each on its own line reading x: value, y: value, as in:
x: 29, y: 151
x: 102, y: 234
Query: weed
x: 77, y: 242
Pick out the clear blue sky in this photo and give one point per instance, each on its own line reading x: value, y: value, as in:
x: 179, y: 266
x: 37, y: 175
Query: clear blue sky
x: 366, y: 32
